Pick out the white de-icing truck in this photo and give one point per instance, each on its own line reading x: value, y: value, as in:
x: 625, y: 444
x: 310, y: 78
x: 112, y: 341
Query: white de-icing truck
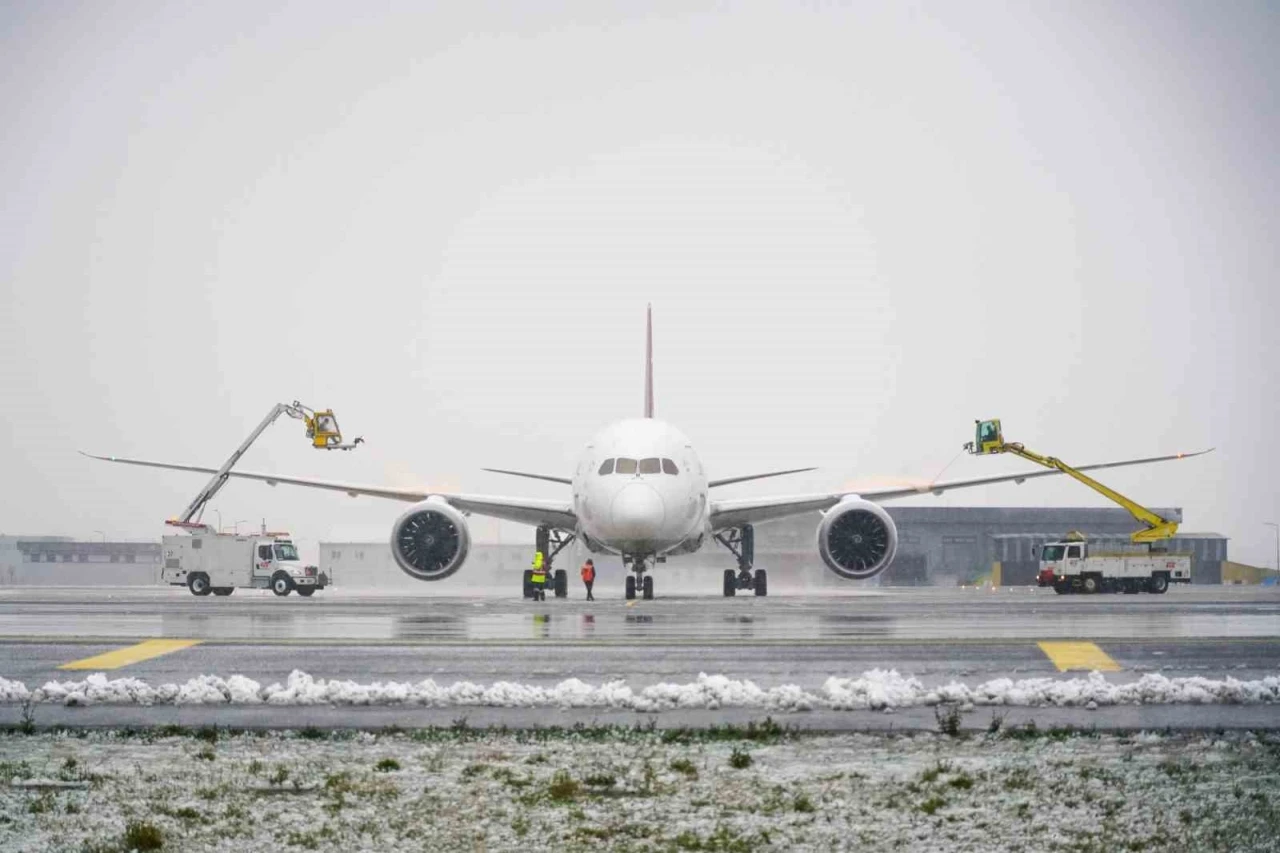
x: 220, y: 563
x: 205, y: 560
x: 1068, y: 566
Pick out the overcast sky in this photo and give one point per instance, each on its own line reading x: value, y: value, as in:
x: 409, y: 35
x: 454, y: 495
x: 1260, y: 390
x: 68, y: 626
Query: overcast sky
x: 860, y: 229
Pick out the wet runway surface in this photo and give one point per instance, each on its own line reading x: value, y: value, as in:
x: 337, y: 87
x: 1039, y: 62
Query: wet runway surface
x: 932, y: 634
x: 887, y: 615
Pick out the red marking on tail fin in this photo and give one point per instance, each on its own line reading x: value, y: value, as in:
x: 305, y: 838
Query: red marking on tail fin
x: 648, y: 364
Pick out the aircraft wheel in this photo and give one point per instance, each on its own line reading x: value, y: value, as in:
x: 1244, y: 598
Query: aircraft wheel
x: 528, y: 583
x: 281, y: 585
x: 647, y: 585
x: 198, y: 583
x: 730, y: 583
x: 631, y: 587
x: 562, y: 583
x: 761, y: 582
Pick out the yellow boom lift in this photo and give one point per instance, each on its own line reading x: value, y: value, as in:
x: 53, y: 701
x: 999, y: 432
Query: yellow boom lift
x: 989, y: 440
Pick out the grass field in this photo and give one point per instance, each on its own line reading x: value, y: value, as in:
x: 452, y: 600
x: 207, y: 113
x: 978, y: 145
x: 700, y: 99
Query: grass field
x: 752, y: 788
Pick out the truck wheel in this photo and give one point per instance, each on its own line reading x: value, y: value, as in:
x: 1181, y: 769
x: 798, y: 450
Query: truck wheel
x: 1159, y: 584
x: 198, y: 584
x: 1090, y: 584
x: 305, y: 591
x: 1062, y: 587
x: 224, y: 591
x: 280, y: 584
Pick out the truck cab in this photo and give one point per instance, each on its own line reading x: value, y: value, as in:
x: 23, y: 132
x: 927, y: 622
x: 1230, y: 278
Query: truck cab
x: 274, y: 560
x: 1060, y: 559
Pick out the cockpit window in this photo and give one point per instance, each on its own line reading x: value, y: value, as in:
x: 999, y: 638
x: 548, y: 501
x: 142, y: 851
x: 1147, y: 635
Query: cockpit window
x: 286, y: 551
x: 606, y: 467
x: 652, y: 465
x: 626, y: 466
x: 669, y: 467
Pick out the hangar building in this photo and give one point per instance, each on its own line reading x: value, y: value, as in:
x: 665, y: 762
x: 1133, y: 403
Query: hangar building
x: 62, y: 561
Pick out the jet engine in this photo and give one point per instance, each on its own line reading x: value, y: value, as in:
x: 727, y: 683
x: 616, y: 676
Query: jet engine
x: 430, y: 541
x: 857, y: 539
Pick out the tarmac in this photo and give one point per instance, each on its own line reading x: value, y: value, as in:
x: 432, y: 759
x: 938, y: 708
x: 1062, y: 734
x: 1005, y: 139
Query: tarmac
x: 934, y: 634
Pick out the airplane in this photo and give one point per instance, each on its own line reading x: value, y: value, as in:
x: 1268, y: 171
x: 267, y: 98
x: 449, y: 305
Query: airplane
x: 639, y: 490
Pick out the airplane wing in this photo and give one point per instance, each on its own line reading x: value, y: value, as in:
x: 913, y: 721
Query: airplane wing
x: 730, y: 480
x: 550, y: 479
x: 732, y: 513
x: 535, y: 511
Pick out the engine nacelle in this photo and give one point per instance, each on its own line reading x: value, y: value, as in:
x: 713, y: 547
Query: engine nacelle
x: 430, y: 541
x: 857, y: 539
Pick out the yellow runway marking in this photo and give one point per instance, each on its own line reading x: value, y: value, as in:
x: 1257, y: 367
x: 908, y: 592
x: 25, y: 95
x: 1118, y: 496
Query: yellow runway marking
x: 1076, y: 655
x: 145, y: 650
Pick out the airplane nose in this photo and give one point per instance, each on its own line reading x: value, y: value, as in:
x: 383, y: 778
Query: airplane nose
x: 638, y: 512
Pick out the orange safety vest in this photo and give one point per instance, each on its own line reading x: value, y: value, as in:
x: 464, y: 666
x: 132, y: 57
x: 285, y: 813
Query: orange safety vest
x: 588, y: 573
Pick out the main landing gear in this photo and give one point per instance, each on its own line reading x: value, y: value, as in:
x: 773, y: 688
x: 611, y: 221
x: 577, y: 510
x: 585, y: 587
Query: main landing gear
x: 741, y: 542
x: 638, y: 580
x: 550, y: 542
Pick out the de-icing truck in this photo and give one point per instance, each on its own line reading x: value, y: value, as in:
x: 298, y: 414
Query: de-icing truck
x: 220, y: 563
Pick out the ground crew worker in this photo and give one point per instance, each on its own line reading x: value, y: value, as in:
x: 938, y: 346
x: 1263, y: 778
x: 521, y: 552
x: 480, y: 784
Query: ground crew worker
x: 539, y: 579
x: 589, y: 577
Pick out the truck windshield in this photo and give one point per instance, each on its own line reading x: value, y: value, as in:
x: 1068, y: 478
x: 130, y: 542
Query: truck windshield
x: 286, y: 551
x: 1051, y: 553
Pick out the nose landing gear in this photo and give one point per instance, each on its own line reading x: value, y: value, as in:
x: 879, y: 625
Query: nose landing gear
x: 741, y: 542
x: 638, y: 580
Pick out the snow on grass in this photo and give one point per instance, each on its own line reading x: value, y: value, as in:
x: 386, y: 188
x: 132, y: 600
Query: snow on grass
x: 586, y: 789
x: 875, y: 689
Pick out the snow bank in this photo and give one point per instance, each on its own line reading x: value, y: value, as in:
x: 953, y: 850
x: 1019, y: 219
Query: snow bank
x: 873, y: 690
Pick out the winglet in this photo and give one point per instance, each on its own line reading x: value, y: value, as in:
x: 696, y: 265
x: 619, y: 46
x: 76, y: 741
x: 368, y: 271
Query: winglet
x: 648, y: 363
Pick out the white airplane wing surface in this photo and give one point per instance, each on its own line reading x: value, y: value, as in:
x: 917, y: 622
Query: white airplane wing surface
x: 535, y: 511
x: 732, y: 513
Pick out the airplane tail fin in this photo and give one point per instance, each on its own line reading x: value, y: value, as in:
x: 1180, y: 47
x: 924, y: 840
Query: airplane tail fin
x: 648, y: 364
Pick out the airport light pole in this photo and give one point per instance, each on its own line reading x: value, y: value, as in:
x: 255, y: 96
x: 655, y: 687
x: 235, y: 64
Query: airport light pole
x: 1276, y: 528
x: 235, y: 528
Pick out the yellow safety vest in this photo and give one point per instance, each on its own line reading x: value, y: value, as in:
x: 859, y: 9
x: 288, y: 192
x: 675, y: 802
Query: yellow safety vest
x: 537, y: 560
x: 539, y: 576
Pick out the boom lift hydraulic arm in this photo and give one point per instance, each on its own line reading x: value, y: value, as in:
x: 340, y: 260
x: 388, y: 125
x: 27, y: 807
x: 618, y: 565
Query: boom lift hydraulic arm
x: 322, y: 429
x: 989, y: 439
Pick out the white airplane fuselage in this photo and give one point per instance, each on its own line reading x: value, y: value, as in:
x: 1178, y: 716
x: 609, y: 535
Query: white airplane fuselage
x: 640, y: 489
